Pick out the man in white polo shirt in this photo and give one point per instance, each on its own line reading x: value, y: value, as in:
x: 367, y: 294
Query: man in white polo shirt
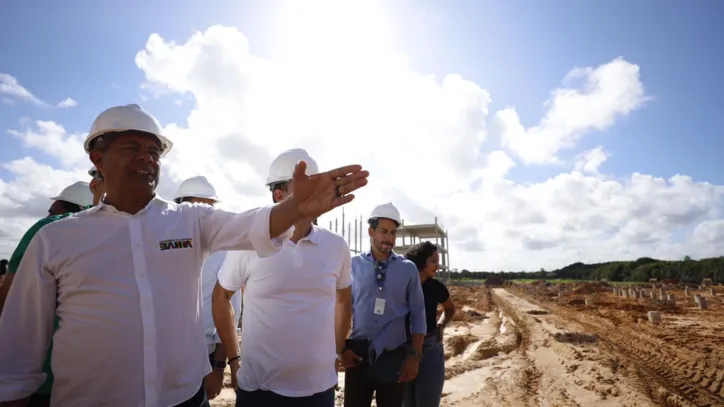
x: 124, y: 277
x: 297, y: 309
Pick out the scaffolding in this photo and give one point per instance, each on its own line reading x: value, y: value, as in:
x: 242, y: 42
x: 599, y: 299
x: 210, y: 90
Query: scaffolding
x: 353, y: 231
x: 354, y: 241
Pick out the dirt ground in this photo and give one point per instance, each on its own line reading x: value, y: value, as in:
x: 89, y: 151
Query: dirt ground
x: 528, y: 345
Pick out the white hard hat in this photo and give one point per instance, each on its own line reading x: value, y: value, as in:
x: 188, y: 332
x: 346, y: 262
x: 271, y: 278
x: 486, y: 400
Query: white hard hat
x: 196, y: 187
x: 126, y: 118
x: 78, y: 193
x: 282, y: 167
x: 387, y: 211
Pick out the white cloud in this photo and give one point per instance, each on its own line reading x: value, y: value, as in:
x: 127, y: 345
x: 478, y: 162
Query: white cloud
x: 496, y: 165
x: 66, y: 103
x: 10, y: 86
x: 421, y: 137
x: 26, y: 197
x: 609, y: 91
x: 15, y: 92
x: 591, y: 160
x: 708, y: 235
x: 52, y: 139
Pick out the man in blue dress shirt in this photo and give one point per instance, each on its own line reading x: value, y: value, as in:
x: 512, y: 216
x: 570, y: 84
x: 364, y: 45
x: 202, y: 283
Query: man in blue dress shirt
x: 386, y: 290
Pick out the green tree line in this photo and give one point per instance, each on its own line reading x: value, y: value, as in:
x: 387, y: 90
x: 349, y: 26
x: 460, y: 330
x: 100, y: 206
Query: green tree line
x: 643, y: 269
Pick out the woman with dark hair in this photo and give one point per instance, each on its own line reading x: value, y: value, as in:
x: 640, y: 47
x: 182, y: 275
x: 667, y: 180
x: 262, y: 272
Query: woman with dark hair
x: 426, y: 389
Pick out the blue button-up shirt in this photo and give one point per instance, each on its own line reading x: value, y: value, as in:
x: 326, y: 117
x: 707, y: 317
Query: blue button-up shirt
x: 402, y: 293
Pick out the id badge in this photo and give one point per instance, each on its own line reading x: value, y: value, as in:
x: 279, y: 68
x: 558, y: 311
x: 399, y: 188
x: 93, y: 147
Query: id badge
x: 379, y: 306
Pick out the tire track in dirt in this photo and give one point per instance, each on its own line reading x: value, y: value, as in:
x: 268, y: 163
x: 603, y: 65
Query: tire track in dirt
x: 671, y: 375
x: 575, y: 368
x: 550, y: 362
x: 491, y: 372
x: 671, y: 380
x: 651, y: 381
x: 477, y: 352
x: 674, y: 377
x: 530, y: 378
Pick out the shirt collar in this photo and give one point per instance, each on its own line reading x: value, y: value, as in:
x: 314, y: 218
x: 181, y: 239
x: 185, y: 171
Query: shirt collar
x: 102, y: 205
x: 369, y: 256
x: 314, y: 235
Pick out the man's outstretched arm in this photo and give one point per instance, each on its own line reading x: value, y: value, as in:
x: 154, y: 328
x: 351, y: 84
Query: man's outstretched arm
x: 258, y: 229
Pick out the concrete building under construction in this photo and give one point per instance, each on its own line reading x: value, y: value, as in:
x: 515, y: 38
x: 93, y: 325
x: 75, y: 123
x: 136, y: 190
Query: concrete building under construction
x: 354, y: 230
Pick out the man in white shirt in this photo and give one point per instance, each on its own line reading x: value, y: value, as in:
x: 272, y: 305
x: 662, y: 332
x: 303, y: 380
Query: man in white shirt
x: 124, y: 277
x: 200, y: 190
x: 297, y: 309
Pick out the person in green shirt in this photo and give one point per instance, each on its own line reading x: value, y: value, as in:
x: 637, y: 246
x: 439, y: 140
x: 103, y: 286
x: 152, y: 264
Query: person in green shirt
x: 72, y: 200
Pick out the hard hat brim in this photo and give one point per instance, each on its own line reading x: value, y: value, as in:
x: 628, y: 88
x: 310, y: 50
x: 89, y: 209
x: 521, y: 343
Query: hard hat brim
x: 278, y: 181
x: 60, y: 198
x: 382, y: 217
x: 213, y: 198
x: 161, y: 139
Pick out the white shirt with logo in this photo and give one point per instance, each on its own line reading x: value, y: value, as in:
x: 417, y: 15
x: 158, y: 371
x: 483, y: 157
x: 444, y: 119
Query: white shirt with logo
x: 128, y: 292
x: 209, y: 276
x: 287, y: 339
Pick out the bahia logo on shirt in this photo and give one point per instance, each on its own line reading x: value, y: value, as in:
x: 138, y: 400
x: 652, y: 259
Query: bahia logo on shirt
x: 176, y: 244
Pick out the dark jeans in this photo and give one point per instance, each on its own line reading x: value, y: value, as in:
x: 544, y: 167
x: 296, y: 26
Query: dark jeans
x: 265, y: 398
x: 359, y: 386
x: 426, y: 389
x: 198, y: 400
x: 39, y: 400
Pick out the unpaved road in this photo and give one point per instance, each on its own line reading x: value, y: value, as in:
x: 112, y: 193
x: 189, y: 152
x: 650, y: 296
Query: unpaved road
x: 556, y: 363
x: 510, y: 348
x: 602, y: 355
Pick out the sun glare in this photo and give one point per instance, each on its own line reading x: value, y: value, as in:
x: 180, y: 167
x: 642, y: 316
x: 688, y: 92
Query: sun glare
x: 336, y: 33
x: 335, y: 54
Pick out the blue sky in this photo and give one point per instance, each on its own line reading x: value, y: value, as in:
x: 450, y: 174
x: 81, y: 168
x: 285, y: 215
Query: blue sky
x: 518, y: 50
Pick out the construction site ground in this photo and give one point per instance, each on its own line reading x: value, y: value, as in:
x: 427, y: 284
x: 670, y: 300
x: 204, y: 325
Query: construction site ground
x: 528, y: 345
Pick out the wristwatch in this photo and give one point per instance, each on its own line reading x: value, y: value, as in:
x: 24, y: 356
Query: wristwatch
x: 218, y: 364
x: 339, y: 355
